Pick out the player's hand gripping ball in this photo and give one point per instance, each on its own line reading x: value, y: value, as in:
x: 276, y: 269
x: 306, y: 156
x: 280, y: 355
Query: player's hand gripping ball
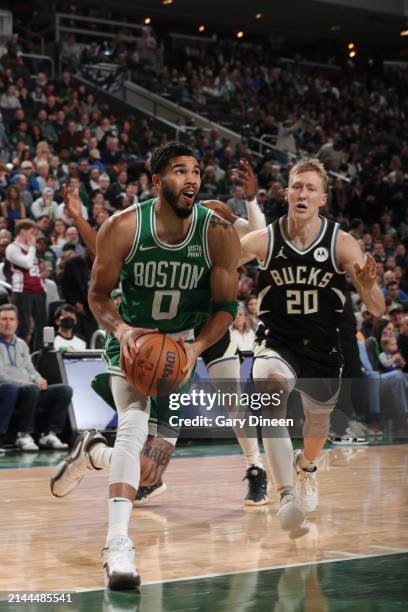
x: 156, y: 369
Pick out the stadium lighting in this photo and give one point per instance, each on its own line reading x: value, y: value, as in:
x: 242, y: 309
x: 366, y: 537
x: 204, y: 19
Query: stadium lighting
x: 201, y: 28
x: 147, y: 20
x: 240, y: 34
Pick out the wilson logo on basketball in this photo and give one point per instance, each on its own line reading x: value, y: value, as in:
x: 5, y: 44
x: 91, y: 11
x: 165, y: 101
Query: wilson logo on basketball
x: 169, y: 365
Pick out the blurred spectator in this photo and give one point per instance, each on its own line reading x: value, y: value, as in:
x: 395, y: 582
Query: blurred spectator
x: 403, y: 341
x: 34, y: 393
x: 12, y: 208
x: 74, y: 284
x: 242, y: 333
x: 251, y: 305
x: 238, y: 202
x: 389, y: 358
x: 28, y: 292
x: 65, y: 323
x: 45, y: 205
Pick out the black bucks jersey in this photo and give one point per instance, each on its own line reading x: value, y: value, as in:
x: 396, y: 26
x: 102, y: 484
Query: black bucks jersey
x: 302, y: 294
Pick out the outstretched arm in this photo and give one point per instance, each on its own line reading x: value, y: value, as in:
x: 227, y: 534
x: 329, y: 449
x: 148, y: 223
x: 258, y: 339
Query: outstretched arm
x: 73, y: 209
x: 362, y: 273
x: 254, y: 246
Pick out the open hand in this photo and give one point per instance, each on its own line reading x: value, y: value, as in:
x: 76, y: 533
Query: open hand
x: 72, y: 202
x: 366, y: 275
x: 248, y: 179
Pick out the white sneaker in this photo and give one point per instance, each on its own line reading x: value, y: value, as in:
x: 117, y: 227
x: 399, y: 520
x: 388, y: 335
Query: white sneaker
x: 291, y: 517
x: 25, y: 442
x: 306, y: 487
x: 51, y: 440
x: 69, y: 472
x: 119, y: 563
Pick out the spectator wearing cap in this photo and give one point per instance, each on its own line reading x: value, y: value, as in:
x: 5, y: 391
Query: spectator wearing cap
x: 396, y: 314
x: 95, y: 160
x: 45, y: 205
x: 27, y: 169
x: 28, y: 292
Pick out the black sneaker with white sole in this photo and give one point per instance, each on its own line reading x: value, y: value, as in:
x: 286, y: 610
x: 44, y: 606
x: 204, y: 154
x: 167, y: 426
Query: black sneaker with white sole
x: 145, y: 494
x: 257, y: 486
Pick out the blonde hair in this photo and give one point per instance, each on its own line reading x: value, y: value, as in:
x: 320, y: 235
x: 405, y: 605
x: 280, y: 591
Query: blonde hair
x: 310, y: 164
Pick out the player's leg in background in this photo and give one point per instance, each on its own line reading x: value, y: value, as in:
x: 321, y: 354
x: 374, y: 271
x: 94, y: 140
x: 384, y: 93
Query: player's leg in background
x: 226, y: 371
x: 133, y: 416
x: 315, y: 432
x: 272, y: 375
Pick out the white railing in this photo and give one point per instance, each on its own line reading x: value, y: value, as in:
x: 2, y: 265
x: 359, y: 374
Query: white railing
x: 158, y: 107
x: 44, y: 58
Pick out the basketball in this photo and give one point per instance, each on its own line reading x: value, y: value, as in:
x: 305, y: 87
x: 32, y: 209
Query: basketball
x: 156, y: 369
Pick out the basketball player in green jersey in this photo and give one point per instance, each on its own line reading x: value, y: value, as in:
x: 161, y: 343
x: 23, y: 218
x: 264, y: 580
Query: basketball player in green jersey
x: 303, y: 259
x: 177, y: 264
x: 221, y: 360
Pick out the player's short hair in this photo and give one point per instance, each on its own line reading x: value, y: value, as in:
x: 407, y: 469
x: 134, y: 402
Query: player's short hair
x: 24, y: 224
x: 163, y: 154
x: 310, y: 164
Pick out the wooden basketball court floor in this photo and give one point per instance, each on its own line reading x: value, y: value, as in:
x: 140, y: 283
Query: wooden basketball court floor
x: 198, y: 548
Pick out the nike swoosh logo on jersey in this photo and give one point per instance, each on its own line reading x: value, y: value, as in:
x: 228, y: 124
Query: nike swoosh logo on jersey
x: 146, y: 248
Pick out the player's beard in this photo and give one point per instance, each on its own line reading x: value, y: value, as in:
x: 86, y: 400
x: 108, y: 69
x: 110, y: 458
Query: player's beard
x: 172, y: 198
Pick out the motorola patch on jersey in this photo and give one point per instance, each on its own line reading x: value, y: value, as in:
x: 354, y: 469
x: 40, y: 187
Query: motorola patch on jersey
x: 321, y: 254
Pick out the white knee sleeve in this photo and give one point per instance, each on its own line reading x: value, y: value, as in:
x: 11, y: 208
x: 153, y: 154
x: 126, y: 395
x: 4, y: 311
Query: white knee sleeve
x: 133, y: 415
x: 273, y: 365
x: 229, y: 370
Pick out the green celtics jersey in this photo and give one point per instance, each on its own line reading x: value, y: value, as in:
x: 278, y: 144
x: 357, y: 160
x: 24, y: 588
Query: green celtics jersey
x: 167, y: 286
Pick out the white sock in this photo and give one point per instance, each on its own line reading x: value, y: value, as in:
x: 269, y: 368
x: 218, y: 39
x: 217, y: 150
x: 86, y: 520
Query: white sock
x: 119, y: 517
x: 279, y: 452
x: 250, y: 448
x: 99, y: 456
x: 307, y: 464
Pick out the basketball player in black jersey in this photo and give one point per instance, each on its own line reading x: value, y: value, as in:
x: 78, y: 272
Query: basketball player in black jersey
x: 303, y: 259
